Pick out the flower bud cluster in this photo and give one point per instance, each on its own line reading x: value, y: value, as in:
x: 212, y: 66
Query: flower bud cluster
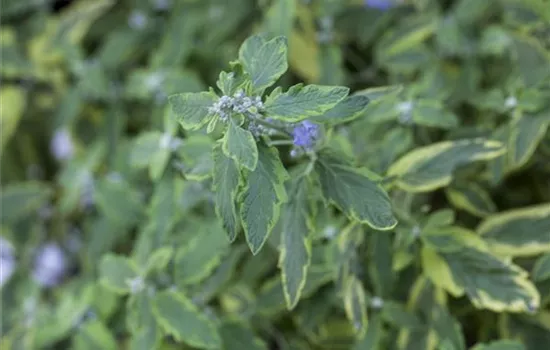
x: 238, y: 103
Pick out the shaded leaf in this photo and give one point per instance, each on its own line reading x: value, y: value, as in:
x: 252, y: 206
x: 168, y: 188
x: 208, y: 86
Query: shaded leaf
x: 354, y: 192
x: 265, y: 61
x: 117, y: 273
x: 226, y: 183
x: 431, y: 167
x: 191, y: 109
x: 301, y: 102
x: 295, y: 254
x: 518, y: 232
x: 458, y: 261
x: 262, y: 197
x: 181, y: 319
x: 240, y: 145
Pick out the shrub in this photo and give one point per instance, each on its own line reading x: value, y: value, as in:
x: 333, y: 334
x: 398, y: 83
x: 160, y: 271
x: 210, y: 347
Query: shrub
x: 277, y: 174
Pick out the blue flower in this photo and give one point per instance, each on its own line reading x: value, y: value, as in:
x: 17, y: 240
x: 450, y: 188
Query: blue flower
x: 383, y: 5
x: 305, y: 134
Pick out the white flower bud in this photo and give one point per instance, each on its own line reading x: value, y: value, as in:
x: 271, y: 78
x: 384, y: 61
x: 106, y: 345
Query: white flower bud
x: 165, y: 140
x: 329, y: 232
x: 376, y: 303
x: 415, y: 231
x: 154, y: 81
x: 138, y: 20
x: 510, y: 102
x: 136, y: 284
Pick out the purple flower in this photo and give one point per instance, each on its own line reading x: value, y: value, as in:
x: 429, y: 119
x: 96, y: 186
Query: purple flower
x: 305, y: 134
x: 383, y: 5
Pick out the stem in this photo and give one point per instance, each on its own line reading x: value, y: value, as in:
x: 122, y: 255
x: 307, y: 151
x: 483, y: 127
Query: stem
x: 272, y: 126
x: 311, y: 164
x: 281, y: 142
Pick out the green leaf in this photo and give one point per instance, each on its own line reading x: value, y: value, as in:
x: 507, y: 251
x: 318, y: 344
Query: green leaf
x: 196, y: 153
x: 295, y: 254
x: 225, y: 185
x: 472, y: 198
x: 532, y: 60
x: 94, y: 335
x: 500, y: 345
x: 408, y: 35
x: 279, y: 18
x: 144, y: 148
x: 526, y: 133
x: 181, y: 319
x: 428, y: 168
x: 459, y: 261
x: 349, y: 109
x: 302, y: 102
x: 237, y: 336
x: 22, y: 199
x: 262, y: 197
x: 231, y: 82
x: 304, y: 53
x: 381, y: 92
x: 531, y: 330
x: 397, y: 315
x: 380, y: 266
x: 355, y: 193
x: 117, y: 272
x: 220, y: 278
x: 139, y: 314
x: 11, y: 110
x: 373, y: 336
x: 197, y: 259
x: 271, y: 297
x: 355, y: 305
x: 191, y: 109
x: 118, y: 201
x: 147, y: 338
x: 541, y: 270
x: 433, y: 114
x: 240, y: 145
x: 162, y: 213
x: 447, y: 328
x: 265, y: 61
x: 159, y: 259
x: 518, y: 232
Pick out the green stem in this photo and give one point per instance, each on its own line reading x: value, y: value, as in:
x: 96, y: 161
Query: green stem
x: 272, y: 126
x: 285, y: 142
x: 311, y: 164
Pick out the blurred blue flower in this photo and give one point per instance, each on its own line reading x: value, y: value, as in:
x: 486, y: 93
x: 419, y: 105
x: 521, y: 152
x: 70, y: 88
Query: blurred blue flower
x: 305, y: 134
x: 50, y: 265
x: 379, y: 4
x: 7, y: 261
x: 61, y: 145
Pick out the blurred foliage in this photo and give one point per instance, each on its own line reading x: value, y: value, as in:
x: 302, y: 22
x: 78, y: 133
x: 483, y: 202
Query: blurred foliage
x: 93, y: 160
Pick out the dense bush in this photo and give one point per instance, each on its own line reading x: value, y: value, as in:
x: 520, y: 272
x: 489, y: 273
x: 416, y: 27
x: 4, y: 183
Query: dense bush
x: 276, y: 174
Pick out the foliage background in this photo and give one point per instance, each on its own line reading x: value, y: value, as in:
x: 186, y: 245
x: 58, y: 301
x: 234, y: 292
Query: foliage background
x: 93, y: 161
